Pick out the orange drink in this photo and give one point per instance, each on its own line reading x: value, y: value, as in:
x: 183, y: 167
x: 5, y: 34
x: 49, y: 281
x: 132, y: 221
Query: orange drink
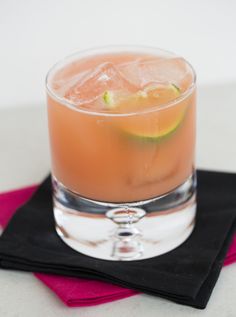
x: 122, y: 136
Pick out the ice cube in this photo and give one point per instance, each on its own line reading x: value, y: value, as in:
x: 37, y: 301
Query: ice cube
x: 155, y: 70
x: 63, y: 85
x: 95, y: 82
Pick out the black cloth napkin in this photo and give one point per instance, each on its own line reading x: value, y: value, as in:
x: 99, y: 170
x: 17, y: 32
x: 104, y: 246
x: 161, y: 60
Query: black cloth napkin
x: 186, y: 275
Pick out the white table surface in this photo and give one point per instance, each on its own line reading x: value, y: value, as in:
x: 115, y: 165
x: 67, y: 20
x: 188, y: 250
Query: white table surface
x: 34, y: 34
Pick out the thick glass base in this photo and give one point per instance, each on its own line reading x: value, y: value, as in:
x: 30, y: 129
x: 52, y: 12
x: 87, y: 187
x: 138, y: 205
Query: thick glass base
x: 125, y: 232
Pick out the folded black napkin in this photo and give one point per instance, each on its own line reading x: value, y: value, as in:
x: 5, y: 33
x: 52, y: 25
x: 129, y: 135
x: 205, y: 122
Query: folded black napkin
x: 186, y: 275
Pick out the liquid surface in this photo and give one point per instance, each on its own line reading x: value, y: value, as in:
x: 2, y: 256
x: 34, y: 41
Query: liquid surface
x: 85, y: 81
x: 122, y: 158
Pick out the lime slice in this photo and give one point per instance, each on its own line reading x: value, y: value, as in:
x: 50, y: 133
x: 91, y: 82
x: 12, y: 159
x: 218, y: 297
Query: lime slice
x: 108, y: 98
x: 158, y: 134
x: 114, y: 99
x: 166, y: 122
x: 152, y: 94
x: 160, y: 125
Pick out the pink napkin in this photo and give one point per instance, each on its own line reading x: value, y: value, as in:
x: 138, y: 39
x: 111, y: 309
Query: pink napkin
x: 75, y: 291
x: 231, y: 254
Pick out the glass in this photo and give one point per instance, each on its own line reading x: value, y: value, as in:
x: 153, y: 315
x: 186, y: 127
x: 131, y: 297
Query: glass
x: 124, y: 184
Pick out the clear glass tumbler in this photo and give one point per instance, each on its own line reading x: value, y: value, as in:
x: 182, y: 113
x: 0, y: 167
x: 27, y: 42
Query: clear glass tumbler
x: 124, y: 184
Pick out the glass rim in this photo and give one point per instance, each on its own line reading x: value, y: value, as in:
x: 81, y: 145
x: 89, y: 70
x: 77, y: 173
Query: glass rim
x: 116, y: 49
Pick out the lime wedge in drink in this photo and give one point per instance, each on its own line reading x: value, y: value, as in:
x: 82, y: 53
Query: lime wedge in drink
x: 151, y: 96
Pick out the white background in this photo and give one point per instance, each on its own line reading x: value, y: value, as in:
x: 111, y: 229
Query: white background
x: 34, y: 35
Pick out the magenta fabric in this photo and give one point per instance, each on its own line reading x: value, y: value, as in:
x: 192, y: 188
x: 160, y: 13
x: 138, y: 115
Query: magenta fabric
x: 231, y: 254
x: 75, y: 291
